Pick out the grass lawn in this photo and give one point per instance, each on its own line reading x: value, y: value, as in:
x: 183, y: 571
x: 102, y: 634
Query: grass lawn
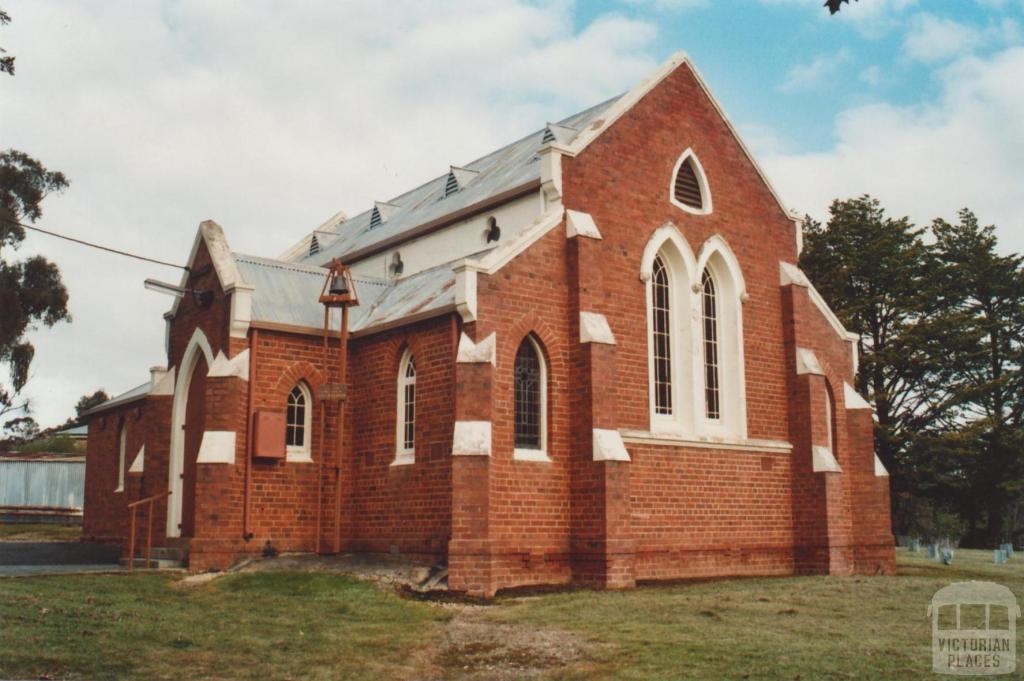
x: 316, y: 626
x: 39, y: 532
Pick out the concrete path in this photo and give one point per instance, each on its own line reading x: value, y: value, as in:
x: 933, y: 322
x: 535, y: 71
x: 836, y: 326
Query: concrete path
x: 19, y: 558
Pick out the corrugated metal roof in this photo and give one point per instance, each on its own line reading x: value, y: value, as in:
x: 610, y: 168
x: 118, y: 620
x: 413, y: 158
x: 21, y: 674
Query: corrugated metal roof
x: 289, y: 293
x: 501, y: 171
x: 136, y: 393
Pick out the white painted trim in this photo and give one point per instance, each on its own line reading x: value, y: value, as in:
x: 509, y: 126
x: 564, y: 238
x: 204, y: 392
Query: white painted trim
x: 139, y: 463
x: 122, y: 445
x: 301, y: 453
x: 674, y: 440
x: 385, y: 209
x: 665, y: 233
x: 823, y: 461
x: 852, y: 399
x: 465, y: 291
x: 498, y: 257
x: 484, y: 352
x: 594, y: 328
x: 176, y: 462
x: 791, y: 274
x: 401, y: 451
x: 880, y: 470
x: 807, y: 363
x: 681, y: 265
x: 702, y: 180
x: 550, y: 177
x: 161, y: 381
x: 237, y: 366
x: 717, y: 257
x: 580, y: 224
x: 404, y: 459
x: 608, y: 446
x: 228, y: 274
x: 218, y: 446
x: 471, y: 438
x: 537, y: 455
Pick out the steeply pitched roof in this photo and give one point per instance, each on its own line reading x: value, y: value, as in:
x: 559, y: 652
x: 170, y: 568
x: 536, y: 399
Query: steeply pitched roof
x: 513, y: 166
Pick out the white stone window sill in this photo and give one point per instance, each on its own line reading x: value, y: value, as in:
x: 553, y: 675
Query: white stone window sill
x: 706, y: 442
x: 298, y: 457
x: 538, y: 455
x: 404, y: 459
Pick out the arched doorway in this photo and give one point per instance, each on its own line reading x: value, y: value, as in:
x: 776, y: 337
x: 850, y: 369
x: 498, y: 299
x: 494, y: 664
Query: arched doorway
x: 187, y: 425
x: 195, y: 413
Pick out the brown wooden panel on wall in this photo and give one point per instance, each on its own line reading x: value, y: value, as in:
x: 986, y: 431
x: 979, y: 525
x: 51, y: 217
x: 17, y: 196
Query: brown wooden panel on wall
x: 268, y: 434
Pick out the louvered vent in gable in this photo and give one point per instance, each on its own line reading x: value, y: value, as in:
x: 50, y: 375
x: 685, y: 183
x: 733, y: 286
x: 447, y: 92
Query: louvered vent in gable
x: 457, y: 179
x: 549, y: 136
x: 451, y: 185
x: 689, y: 185
x: 314, y: 245
x: 375, y: 219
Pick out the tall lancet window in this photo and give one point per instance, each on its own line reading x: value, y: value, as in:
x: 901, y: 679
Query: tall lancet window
x: 530, y: 396
x: 709, y: 317
x: 662, y: 331
x: 405, y: 435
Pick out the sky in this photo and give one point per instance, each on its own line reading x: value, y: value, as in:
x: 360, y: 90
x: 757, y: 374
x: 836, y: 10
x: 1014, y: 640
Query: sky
x: 269, y: 117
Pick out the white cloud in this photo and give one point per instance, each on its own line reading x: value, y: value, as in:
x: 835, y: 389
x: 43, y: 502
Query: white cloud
x: 931, y: 38
x: 928, y: 160
x: 814, y: 74
x: 268, y: 120
x: 669, y: 5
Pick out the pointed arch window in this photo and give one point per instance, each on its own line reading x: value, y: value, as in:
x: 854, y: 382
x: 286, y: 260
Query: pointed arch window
x: 709, y: 319
x: 661, y: 316
x: 405, y: 434
x: 689, y: 189
x: 299, y: 424
x: 531, y: 394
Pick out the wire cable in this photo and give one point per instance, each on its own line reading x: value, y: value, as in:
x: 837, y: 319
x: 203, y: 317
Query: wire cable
x: 94, y: 245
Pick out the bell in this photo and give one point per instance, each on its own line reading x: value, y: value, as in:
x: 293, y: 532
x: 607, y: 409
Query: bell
x: 339, y: 287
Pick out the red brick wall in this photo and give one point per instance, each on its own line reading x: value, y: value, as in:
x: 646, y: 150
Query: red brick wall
x: 106, y: 511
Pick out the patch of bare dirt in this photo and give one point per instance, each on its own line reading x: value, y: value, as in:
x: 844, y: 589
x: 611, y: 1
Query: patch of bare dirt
x: 476, y: 648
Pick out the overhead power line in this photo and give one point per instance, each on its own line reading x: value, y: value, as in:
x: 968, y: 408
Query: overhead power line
x: 94, y: 245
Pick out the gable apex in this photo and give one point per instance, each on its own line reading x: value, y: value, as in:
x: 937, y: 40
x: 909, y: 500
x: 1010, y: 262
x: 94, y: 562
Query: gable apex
x: 625, y: 103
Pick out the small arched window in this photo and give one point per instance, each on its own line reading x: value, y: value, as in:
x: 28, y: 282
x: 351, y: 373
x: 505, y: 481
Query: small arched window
x: 689, y: 189
x: 830, y: 417
x: 530, y: 378
x: 122, y: 447
x: 712, y: 378
x: 405, y: 436
x: 299, y: 424
x: 661, y: 313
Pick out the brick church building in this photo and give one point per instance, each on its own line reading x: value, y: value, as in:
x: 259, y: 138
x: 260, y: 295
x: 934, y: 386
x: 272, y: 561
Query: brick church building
x: 588, y: 356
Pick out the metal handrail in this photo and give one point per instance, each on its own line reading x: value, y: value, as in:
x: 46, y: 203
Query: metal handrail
x: 133, y: 507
